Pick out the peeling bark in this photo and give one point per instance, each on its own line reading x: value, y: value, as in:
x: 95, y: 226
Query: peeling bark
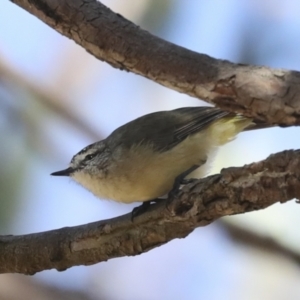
x: 265, y: 94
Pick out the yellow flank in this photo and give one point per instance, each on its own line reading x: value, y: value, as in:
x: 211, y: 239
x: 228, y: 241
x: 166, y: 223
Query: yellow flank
x: 144, y: 174
x: 225, y: 129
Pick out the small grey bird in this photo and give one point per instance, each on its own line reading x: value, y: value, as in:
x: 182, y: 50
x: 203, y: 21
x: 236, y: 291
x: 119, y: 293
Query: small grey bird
x: 142, y: 159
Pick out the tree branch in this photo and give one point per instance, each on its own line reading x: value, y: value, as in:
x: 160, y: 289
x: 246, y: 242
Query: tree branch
x: 268, y: 95
x: 233, y: 191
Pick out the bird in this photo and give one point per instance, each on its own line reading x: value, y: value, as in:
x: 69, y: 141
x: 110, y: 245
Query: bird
x: 150, y: 156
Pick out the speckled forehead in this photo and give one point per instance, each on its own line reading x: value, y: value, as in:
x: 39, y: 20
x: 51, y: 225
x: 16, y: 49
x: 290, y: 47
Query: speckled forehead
x: 85, y: 149
x: 82, y: 153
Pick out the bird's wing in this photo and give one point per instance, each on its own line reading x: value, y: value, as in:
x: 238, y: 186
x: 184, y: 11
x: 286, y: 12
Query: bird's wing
x: 165, y: 129
x: 197, y: 119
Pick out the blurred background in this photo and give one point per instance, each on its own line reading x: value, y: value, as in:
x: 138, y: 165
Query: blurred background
x: 55, y: 98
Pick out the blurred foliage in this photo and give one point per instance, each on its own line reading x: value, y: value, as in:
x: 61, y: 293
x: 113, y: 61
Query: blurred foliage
x: 13, y: 157
x: 156, y: 15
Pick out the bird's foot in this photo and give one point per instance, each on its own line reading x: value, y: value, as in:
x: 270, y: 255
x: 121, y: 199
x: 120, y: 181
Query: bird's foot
x: 180, y: 180
x: 139, y: 210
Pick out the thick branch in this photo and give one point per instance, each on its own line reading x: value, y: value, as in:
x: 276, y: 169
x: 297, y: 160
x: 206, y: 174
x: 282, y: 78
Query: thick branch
x: 269, y: 95
x: 234, y: 191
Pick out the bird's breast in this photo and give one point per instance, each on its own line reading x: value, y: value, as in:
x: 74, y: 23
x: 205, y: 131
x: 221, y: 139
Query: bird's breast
x: 139, y: 174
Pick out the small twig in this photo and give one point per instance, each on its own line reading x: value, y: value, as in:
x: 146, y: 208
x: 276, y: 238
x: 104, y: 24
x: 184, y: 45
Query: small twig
x: 247, y: 237
x: 47, y: 98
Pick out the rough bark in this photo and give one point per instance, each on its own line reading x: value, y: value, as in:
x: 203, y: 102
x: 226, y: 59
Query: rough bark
x: 233, y: 191
x: 269, y: 95
x: 266, y: 94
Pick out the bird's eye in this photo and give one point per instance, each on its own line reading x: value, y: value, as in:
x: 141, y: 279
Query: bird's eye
x: 90, y: 156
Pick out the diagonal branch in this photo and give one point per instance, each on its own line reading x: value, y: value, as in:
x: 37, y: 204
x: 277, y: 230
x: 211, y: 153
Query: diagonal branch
x: 268, y: 244
x: 266, y: 94
x: 269, y: 95
x: 50, y: 100
x: 233, y: 191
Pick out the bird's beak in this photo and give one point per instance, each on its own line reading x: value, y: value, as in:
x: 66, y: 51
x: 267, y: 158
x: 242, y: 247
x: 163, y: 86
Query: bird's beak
x: 66, y: 172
